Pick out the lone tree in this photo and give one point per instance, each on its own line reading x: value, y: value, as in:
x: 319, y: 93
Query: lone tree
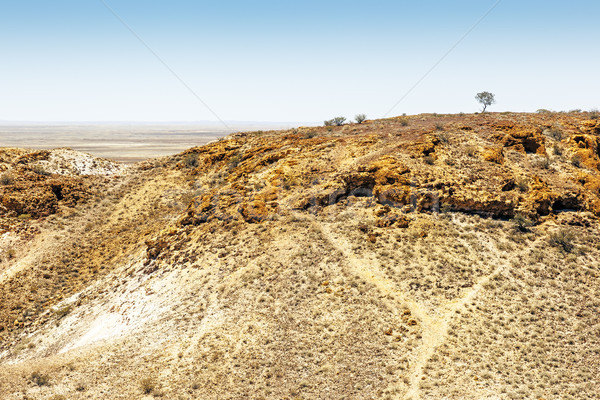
x: 485, y: 98
x: 360, y: 118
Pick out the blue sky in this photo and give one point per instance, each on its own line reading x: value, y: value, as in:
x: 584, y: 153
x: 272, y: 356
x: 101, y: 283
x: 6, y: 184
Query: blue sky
x: 292, y: 61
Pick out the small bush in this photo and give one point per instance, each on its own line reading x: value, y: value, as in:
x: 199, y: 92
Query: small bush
x: 337, y: 121
x: 63, y: 312
x: 576, y: 160
x: 594, y: 113
x: 444, y: 138
x: 58, y: 397
x: 234, y: 161
x: 6, y: 179
x: 360, y: 118
x: 191, y: 160
x: 522, y: 223
x: 543, y: 111
x: 522, y: 185
x: 563, y: 239
x: 404, y: 122
x: 310, y: 134
x: 557, y: 149
x: 555, y: 133
x: 429, y: 160
x: 543, y: 163
x: 147, y: 385
x: 471, y: 150
x: 439, y: 127
x: 39, y: 379
x: 38, y: 169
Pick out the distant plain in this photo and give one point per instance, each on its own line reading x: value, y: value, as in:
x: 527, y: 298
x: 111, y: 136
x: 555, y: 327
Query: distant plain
x: 127, y: 143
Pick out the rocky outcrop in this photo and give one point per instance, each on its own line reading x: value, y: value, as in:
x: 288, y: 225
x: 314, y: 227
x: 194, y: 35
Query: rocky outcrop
x: 406, y: 167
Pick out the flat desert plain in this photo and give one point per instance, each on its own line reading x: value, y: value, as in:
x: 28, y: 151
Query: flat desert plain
x: 127, y: 143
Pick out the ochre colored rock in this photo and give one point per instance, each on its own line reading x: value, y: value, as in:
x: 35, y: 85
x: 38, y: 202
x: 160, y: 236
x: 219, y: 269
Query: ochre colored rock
x: 494, y: 154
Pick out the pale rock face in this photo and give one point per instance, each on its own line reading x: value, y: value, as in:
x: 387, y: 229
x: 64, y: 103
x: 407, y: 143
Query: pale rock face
x: 70, y: 162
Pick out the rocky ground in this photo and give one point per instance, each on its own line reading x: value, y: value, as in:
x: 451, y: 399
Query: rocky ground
x: 428, y: 256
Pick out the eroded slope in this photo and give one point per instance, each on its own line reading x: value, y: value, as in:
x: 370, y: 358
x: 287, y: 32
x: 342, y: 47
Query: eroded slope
x: 416, y: 257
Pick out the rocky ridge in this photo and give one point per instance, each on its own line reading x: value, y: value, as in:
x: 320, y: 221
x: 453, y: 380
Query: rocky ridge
x: 428, y: 256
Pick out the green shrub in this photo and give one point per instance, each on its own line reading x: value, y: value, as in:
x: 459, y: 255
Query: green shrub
x: 543, y: 163
x: 439, y: 127
x: 38, y: 169
x: 39, y: 379
x: 404, y: 122
x: 557, y: 149
x: 147, y: 385
x: 555, y: 133
x: 6, y: 179
x: 471, y: 150
x: 337, y: 121
x: 522, y: 185
x: 563, y: 239
x: 191, y: 160
x: 594, y: 113
x: 63, y: 311
x: 360, y: 118
x: 522, y: 223
x: 444, y: 138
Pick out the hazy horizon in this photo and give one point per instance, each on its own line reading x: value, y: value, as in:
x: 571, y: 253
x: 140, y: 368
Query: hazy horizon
x: 278, y: 61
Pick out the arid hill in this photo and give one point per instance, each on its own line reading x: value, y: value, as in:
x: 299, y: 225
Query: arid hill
x: 417, y: 257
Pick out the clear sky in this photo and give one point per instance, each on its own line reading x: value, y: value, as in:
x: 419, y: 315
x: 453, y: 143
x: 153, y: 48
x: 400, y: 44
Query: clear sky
x: 72, y: 60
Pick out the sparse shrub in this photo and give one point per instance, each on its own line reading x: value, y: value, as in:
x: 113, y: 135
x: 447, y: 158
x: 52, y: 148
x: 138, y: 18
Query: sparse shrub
x: 337, y: 121
x: 310, y: 134
x: 191, y: 160
x: 11, y: 253
x: 557, y: 150
x: 234, y: 161
x: 543, y: 111
x: 360, y: 118
x: 439, y: 127
x: 38, y: 169
x: 39, y: 379
x: 429, y: 159
x: 522, y: 185
x: 63, y: 312
x: 444, y: 138
x: 543, y: 163
x: 594, y: 113
x: 6, y: 179
x: 563, y: 239
x: 471, y: 150
x: 404, y: 122
x: 555, y: 133
x: 58, y: 397
x: 147, y: 385
x: 522, y: 223
x: 576, y: 160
